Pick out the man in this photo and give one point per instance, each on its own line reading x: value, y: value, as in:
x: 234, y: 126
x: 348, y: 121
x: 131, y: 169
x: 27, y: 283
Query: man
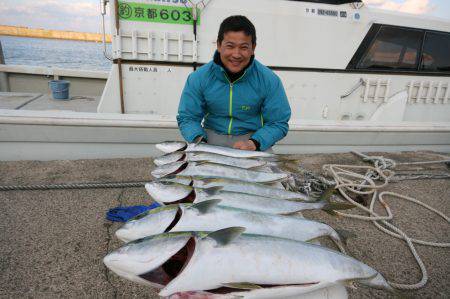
x: 241, y: 103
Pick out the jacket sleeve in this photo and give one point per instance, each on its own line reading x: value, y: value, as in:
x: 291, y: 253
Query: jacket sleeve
x: 191, y: 110
x: 275, y: 113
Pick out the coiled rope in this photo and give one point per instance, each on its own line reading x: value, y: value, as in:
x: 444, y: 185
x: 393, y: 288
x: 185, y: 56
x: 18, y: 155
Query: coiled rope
x: 73, y: 186
x: 348, y: 181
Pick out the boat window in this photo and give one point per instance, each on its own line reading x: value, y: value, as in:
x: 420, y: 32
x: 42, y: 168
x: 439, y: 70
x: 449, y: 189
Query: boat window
x: 393, y: 48
x: 436, y: 52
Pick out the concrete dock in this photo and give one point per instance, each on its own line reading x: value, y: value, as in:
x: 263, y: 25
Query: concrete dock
x: 52, y: 242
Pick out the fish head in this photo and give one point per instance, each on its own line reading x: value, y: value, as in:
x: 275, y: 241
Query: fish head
x: 171, y: 146
x: 168, y: 192
x: 149, y: 223
x: 153, y: 260
x: 168, y: 169
x: 169, y: 158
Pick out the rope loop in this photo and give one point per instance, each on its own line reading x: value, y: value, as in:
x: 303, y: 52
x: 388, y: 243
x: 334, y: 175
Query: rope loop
x: 349, y: 180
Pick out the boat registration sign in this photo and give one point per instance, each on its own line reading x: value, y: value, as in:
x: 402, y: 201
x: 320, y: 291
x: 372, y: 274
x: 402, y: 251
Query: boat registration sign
x: 154, y: 13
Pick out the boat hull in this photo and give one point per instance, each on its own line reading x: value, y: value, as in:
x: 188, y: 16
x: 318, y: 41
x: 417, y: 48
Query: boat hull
x: 56, y: 135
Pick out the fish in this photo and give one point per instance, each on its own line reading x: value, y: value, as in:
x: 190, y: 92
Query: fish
x: 263, y: 190
x: 212, y: 170
x: 209, y: 216
x: 241, y: 265
x: 161, y: 193
x: 176, y: 146
x: 171, y: 190
x: 209, y: 157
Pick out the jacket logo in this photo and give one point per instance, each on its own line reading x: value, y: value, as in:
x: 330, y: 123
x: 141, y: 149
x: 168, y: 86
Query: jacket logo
x: 245, y: 108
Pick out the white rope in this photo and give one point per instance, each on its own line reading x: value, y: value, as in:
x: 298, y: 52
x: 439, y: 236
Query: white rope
x: 348, y: 180
x: 425, y: 162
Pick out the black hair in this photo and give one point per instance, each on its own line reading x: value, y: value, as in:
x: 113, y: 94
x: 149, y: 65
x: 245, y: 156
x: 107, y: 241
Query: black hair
x: 235, y: 24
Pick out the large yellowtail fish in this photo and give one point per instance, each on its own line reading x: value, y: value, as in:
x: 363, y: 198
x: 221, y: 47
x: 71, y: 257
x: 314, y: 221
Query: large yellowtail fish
x: 241, y: 265
x: 215, y: 171
x: 172, y: 187
x: 174, y: 146
x: 210, y: 157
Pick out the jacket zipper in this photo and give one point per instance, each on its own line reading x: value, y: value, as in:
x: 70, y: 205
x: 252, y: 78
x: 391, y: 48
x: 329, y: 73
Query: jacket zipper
x: 231, y: 100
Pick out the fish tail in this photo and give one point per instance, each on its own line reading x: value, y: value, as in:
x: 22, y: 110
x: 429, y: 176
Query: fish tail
x: 327, y: 194
x: 340, y: 238
x: 332, y: 207
x: 289, y: 165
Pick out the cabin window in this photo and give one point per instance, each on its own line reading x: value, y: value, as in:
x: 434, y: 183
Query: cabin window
x: 436, y: 52
x: 393, y: 48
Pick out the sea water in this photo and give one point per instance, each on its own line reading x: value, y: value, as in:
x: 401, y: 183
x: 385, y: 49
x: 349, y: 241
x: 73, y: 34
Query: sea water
x: 55, y: 53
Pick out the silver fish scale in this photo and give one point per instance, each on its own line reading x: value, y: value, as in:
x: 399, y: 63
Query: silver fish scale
x: 258, y: 203
x: 252, y: 188
x: 226, y: 151
x: 209, y: 170
x: 224, y: 160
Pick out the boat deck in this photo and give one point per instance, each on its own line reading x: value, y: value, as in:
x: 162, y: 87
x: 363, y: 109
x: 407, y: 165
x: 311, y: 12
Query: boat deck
x: 52, y: 242
x: 45, y: 102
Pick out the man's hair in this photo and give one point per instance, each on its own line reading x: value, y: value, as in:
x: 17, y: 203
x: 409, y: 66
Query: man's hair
x: 235, y: 24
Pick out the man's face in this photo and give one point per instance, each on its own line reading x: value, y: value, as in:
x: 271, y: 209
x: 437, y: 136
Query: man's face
x: 235, y: 50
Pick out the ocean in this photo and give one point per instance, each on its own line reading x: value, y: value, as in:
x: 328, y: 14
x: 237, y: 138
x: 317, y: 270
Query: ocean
x: 55, y: 53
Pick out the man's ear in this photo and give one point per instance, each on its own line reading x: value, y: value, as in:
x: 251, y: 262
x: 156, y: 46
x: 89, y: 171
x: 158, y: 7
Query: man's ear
x: 254, y: 47
x: 218, y: 45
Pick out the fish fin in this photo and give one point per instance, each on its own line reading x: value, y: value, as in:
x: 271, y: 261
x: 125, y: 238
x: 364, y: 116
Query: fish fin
x: 288, y: 158
x: 344, y: 235
x: 332, y: 207
x: 242, y: 286
x: 205, y: 206
x: 314, y: 240
x: 289, y: 165
x: 326, y: 195
x: 225, y: 236
x: 349, y: 284
x: 212, y: 190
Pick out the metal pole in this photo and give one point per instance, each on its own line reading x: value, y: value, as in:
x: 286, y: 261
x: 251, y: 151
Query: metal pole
x: 4, y: 82
x: 103, y: 13
x: 119, y: 60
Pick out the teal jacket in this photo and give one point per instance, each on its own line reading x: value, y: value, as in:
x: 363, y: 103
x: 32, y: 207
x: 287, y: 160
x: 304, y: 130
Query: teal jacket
x: 256, y: 102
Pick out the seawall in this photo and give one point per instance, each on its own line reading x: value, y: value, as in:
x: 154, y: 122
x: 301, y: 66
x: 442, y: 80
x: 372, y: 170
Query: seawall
x: 52, y: 34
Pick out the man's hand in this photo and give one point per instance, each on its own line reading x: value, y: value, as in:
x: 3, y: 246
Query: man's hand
x: 248, y: 145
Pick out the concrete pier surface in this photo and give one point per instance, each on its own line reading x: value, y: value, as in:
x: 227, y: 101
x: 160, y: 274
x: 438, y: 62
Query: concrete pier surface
x: 52, y: 242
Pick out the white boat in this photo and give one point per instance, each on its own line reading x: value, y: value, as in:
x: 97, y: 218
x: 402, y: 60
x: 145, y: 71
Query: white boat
x: 357, y: 78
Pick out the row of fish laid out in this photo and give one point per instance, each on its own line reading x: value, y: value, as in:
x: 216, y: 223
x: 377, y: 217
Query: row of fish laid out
x: 177, y: 146
x: 203, y: 153
x: 226, y: 233
x: 208, y: 169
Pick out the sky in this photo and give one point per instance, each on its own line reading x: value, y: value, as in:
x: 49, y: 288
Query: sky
x: 84, y: 15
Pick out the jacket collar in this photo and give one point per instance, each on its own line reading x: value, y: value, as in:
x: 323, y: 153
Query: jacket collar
x: 221, y: 70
